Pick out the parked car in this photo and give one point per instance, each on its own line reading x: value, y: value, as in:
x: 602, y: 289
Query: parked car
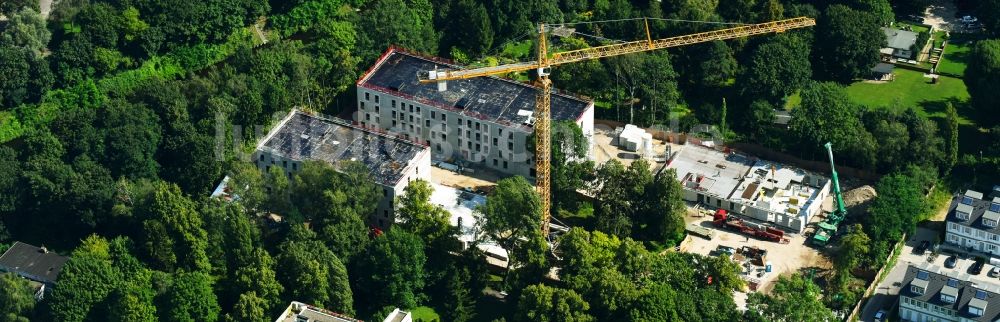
x: 951, y: 261
x: 924, y: 245
x: 994, y: 272
x: 977, y: 267
x: 880, y: 316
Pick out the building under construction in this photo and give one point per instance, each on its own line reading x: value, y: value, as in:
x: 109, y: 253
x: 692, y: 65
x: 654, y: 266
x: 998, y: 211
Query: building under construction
x: 392, y: 162
x: 485, y: 120
x: 759, y: 190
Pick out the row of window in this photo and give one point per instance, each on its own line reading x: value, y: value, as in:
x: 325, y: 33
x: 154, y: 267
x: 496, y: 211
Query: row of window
x: 931, y: 307
x: 954, y: 227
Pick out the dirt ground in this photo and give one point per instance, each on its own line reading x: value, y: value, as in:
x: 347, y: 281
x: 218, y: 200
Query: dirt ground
x: 604, y: 150
x: 796, y: 256
x: 478, y: 179
x: 941, y: 15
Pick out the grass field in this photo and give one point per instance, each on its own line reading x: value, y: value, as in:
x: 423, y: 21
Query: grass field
x: 911, y: 89
x: 425, y: 314
x: 954, y: 59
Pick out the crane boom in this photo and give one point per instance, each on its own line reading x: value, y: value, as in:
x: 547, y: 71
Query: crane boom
x: 573, y: 56
x: 545, y: 61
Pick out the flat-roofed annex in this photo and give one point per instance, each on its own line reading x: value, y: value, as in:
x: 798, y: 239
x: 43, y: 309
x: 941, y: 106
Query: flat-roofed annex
x: 307, y: 137
x: 492, y: 99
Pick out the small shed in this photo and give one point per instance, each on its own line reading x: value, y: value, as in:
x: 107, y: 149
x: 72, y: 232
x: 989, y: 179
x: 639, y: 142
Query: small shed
x: 883, y: 72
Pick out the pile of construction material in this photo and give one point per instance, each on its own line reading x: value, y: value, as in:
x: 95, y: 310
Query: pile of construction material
x: 633, y: 138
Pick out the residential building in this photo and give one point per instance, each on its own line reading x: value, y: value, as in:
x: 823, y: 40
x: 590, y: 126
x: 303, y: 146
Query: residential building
x: 37, y: 264
x: 485, y: 121
x: 900, y: 42
x: 398, y: 315
x: 301, y: 312
x: 392, y: 162
x: 972, y: 222
x: 757, y: 189
x: 927, y: 294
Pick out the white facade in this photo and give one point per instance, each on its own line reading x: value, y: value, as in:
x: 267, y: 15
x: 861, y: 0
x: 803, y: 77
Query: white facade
x: 911, y: 309
x: 972, y: 223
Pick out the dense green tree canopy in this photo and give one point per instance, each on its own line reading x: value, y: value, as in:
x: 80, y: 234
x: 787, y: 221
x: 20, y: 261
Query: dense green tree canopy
x: 794, y: 298
x: 777, y: 68
x: 391, y: 271
x: 847, y: 44
x: 981, y: 78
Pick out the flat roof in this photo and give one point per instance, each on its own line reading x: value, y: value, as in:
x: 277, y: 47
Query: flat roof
x: 492, y: 99
x: 303, y: 136
x: 461, y: 205
x: 36, y: 262
x: 298, y: 310
x: 710, y: 171
x: 734, y: 176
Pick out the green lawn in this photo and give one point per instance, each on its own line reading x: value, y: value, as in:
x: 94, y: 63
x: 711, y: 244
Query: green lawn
x: 425, y: 314
x: 911, y: 89
x: 916, y: 27
x: 954, y: 58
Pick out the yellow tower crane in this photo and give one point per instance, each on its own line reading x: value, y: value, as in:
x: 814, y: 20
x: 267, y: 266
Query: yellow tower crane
x: 543, y: 138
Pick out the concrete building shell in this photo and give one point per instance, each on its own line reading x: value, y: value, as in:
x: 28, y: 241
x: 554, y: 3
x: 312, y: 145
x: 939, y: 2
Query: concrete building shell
x: 392, y: 162
x: 486, y: 121
x: 758, y: 189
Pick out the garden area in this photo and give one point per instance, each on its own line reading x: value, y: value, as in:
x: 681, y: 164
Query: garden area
x: 910, y: 88
x: 954, y: 58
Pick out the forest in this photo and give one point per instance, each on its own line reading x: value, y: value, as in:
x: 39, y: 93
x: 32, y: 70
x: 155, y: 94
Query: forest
x: 119, y: 117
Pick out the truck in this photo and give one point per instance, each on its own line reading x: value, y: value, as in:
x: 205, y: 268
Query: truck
x: 722, y: 219
x: 698, y: 230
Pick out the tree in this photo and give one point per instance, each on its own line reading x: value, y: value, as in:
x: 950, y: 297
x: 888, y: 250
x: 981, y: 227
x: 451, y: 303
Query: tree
x: 951, y: 132
x: 989, y: 13
x: 418, y: 215
x: 129, y: 306
x: 173, y: 233
x: 512, y: 215
x: 880, y: 9
x: 313, y: 273
x: 547, y: 304
x: 133, y: 135
x: 26, y: 29
x: 893, y: 213
x: 847, y: 44
x: 393, y: 266
x: 663, y: 214
x: 250, y: 308
x: 470, y: 27
x: 17, y: 299
x: 981, y: 77
x: 777, y: 68
x: 8, y: 8
x: 85, y: 280
x: 338, y: 200
x: 853, y: 251
x: 406, y: 23
x: 247, y: 181
x: 828, y: 115
x: 794, y: 298
x: 14, y: 70
x: 718, y: 67
x: 189, y: 298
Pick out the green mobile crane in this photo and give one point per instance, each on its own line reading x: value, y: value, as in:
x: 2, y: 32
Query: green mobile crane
x: 828, y: 227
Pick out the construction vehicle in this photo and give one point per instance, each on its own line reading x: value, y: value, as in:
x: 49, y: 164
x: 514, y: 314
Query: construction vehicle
x: 827, y: 228
x: 546, y: 60
x: 722, y: 219
x: 698, y: 230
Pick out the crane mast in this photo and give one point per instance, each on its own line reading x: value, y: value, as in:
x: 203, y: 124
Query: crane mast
x: 542, y: 115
